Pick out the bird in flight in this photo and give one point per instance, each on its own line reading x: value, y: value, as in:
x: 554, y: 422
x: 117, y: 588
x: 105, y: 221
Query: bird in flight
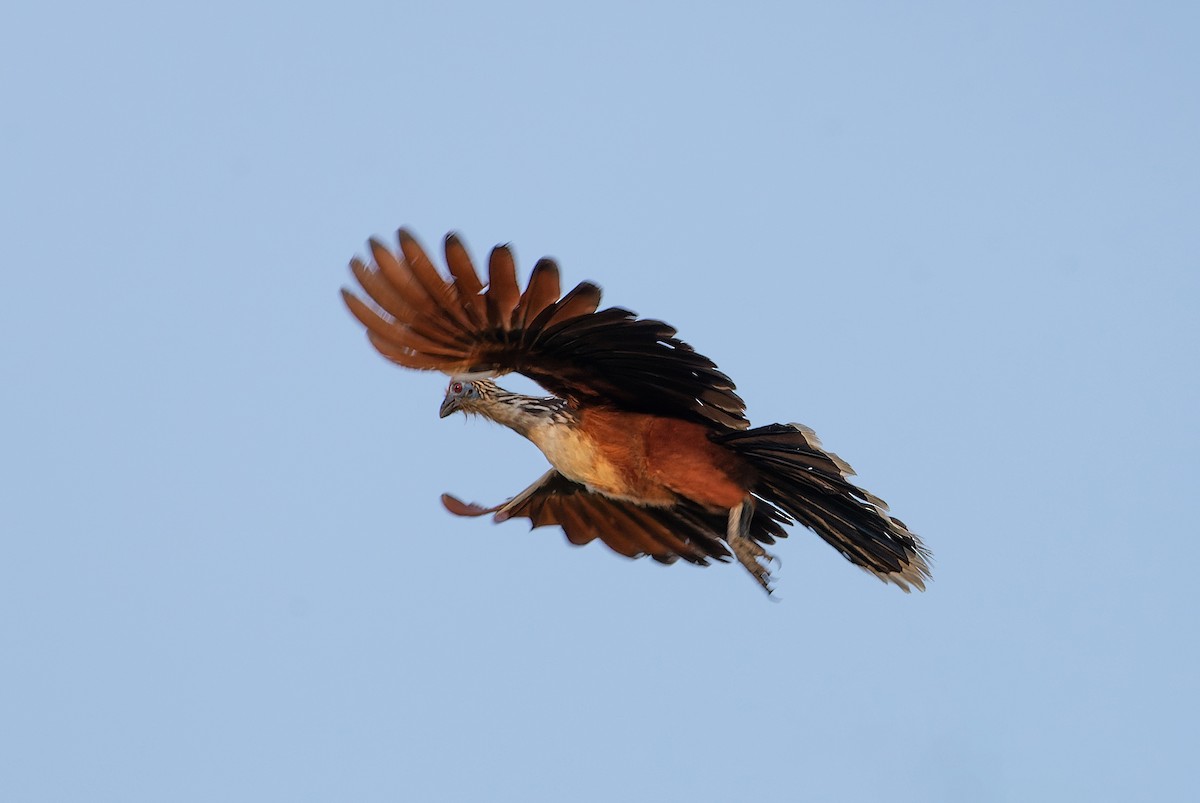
x: 649, y: 446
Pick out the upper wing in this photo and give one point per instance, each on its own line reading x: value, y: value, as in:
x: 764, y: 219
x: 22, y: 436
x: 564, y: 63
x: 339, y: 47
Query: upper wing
x: 665, y: 534
x: 421, y: 319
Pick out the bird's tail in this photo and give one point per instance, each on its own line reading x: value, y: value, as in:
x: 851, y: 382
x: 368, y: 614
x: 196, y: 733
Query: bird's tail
x: 798, y: 478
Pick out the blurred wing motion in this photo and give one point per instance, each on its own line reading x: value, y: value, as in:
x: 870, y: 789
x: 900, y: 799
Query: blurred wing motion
x: 664, y: 533
x: 420, y: 319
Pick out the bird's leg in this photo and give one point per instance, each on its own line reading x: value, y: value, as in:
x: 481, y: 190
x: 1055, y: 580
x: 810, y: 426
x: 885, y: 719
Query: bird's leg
x: 748, y: 551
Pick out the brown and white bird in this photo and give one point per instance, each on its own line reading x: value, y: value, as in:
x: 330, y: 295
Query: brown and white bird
x: 650, y: 449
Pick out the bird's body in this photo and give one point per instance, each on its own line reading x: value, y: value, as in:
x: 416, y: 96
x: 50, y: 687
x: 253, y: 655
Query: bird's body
x: 649, y: 447
x: 635, y: 457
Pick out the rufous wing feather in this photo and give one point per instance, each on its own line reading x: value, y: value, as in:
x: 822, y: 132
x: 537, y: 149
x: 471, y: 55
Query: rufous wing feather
x: 421, y: 319
x: 470, y: 288
x: 503, y: 291
x: 665, y: 534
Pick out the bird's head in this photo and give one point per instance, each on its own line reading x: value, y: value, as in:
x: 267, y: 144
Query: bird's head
x: 467, y: 396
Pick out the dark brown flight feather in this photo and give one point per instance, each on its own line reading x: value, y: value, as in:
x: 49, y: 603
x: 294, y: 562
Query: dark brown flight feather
x: 421, y: 319
x: 665, y: 534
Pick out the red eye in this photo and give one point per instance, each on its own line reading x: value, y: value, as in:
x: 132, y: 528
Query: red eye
x: 456, y: 387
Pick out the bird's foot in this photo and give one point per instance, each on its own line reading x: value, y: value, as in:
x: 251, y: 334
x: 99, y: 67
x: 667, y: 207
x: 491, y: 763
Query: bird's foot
x: 749, y: 552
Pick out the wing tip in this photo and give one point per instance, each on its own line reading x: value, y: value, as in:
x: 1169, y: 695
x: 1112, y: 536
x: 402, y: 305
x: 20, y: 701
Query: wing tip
x: 460, y: 508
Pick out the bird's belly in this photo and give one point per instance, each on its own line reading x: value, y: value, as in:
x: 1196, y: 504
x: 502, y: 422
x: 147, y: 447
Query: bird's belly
x: 576, y: 456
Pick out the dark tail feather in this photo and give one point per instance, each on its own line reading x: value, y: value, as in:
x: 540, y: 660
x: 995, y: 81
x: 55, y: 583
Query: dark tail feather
x: 807, y: 483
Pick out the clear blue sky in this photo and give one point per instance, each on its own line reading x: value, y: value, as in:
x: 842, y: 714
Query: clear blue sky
x: 959, y: 240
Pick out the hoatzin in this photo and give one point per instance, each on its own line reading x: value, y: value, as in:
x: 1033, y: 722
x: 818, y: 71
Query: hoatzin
x: 650, y: 449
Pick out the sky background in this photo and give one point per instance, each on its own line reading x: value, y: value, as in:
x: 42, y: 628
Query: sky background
x: 959, y: 240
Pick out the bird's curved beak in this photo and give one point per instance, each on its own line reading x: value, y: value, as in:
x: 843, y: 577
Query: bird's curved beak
x: 449, y: 405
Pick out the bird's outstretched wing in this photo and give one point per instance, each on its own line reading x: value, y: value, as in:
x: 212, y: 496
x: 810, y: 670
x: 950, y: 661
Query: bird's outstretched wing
x: 421, y: 319
x: 665, y: 534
